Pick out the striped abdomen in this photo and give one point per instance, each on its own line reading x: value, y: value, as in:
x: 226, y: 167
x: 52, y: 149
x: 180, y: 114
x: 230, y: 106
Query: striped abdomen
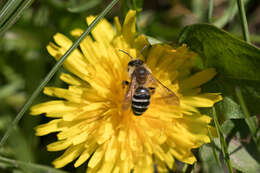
x: 140, y: 100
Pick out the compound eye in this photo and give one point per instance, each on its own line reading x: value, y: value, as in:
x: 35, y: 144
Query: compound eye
x: 140, y: 62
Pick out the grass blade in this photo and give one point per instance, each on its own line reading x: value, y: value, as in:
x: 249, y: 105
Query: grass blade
x: 210, y: 13
x: 15, y: 15
x: 8, y: 9
x: 242, y: 14
x: 250, y: 122
x: 184, y: 168
x: 223, y: 143
x: 52, y: 72
x: 30, y: 166
x: 213, y: 147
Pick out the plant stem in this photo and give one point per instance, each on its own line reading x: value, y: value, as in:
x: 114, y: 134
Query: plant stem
x: 223, y: 143
x: 250, y: 122
x: 52, y: 72
x: 184, y: 168
x: 8, y: 9
x: 210, y: 13
x: 243, y: 19
x: 18, y: 164
x: 213, y: 147
x: 16, y: 13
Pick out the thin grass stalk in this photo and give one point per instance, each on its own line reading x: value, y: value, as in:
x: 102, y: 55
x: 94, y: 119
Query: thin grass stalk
x: 250, y: 122
x: 8, y: 9
x: 214, y: 150
x: 19, y: 164
x: 210, y: 12
x: 15, y: 15
x: 184, y: 168
x: 243, y: 20
x: 52, y: 72
x: 223, y: 143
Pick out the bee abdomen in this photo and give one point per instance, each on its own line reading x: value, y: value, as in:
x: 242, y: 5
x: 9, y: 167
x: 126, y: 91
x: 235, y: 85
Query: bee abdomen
x: 140, y: 101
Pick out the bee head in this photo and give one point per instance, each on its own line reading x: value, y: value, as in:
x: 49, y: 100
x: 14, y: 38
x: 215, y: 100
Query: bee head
x: 133, y: 64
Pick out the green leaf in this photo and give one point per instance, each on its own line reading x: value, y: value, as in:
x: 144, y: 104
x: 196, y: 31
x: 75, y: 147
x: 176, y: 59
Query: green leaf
x: 232, y: 57
x: 237, y: 64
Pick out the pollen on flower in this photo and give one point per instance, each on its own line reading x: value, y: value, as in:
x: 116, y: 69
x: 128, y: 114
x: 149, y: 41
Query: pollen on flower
x: 89, y: 120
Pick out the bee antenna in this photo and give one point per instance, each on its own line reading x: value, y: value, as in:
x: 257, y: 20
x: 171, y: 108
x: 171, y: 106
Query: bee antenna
x: 143, y: 49
x: 126, y: 53
x: 130, y: 55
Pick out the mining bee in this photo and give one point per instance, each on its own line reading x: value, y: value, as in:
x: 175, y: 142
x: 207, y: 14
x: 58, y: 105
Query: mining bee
x: 142, y: 86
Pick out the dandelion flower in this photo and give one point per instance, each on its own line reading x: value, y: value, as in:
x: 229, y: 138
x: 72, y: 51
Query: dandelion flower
x: 88, y: 119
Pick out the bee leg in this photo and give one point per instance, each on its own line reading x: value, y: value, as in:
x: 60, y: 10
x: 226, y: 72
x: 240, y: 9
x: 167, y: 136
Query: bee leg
x: 151, y: 90
x: 125, y: 83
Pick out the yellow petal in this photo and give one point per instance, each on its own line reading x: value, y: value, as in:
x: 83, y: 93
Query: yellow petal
x: 59, y: 145
x: 129, y: 30
x: 49, y: 127
x: 103, y: 31
x: 105, y: 132
x: 85, y: 154
x: 71, y: 79
x: 203, y: 100
x: 70, y: 154
x: 74, y: 63
x: 198, y: 79
x: 97, y: 157
x: 184, y: 156
x: 118, y: 25
x: 63, y: 93
x: 50, y: 107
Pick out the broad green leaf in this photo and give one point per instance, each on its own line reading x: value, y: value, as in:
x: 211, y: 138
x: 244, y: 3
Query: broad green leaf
x: 237, y: 64
x: 232, y: 57
x: 229, y: 107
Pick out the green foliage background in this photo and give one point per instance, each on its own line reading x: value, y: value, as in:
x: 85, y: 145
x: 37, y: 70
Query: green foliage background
x: 24, y: 62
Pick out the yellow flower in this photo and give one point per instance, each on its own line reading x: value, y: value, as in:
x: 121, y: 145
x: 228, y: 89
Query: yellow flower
x: 88, y: 116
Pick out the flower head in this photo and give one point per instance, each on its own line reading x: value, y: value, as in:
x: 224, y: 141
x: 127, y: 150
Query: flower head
x: 88, y: 115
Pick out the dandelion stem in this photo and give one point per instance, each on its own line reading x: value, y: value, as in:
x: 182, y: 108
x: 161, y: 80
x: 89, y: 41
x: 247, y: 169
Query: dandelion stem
x: 223, y: 143
x: 210, y: 13
x: 18, y: 164
x: 243, y: 19
x: 52, y: 72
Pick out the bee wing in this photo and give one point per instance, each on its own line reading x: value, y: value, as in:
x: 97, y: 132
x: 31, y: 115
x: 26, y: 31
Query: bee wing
x: 166, y: 95
x: 129, y: 94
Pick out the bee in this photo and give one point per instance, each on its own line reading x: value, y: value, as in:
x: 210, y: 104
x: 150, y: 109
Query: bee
x: 142, y: 86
